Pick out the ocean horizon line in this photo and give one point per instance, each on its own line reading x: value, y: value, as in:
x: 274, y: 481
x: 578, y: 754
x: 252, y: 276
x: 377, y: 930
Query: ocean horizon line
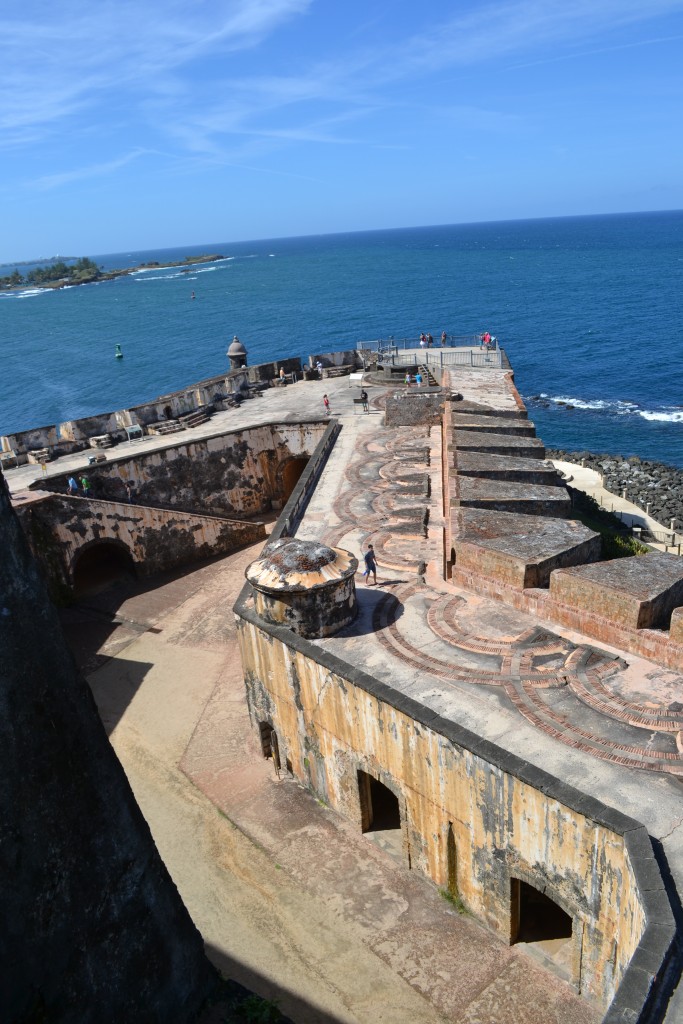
x: 209, y: 246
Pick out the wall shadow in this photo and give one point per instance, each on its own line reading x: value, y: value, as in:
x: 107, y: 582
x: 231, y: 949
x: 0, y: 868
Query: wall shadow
x: 291, y: 1005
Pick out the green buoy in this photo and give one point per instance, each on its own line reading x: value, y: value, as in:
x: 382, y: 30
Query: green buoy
x: 118, y: 354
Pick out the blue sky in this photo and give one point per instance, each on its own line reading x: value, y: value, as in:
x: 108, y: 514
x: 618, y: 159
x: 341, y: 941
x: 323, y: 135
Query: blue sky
x: 138, y: 125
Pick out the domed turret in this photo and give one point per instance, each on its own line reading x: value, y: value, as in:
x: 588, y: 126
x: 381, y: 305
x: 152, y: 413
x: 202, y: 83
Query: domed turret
x: 237, y: 354
x: 306, y: 586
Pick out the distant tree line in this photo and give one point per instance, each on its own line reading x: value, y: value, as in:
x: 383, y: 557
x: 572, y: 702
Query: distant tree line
x: 80, y: 272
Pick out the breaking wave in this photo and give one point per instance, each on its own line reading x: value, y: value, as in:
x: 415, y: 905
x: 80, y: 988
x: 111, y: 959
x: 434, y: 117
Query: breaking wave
x: 612, y: 407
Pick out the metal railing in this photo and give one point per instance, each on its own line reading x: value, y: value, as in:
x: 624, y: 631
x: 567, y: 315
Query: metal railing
x: 444, y: 358
x: 452, y: 341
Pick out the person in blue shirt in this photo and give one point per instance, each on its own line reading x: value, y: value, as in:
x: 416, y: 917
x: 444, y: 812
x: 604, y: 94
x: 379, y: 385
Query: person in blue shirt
x: 370, y: 564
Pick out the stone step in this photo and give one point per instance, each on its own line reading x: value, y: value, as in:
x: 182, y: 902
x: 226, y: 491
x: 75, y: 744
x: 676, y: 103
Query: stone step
x: 505, y: 467
x: 498, y: 444
x: 165, y: 427
x: 493, y: 424
x: 512, y: 496
x: 194, y: 419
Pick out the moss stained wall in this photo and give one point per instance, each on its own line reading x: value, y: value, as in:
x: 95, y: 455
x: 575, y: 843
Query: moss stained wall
x: 60, y: 527
x: 232, y: 474
x: 329, y: 727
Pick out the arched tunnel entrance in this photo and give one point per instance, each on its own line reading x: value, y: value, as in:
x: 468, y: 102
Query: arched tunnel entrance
x: 542, y: 926
x: 291, y: 472
x: 101, y: 564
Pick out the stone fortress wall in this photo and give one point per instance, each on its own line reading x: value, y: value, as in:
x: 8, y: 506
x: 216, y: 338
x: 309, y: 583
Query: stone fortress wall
x: 74, y: 435
x: 509, y: 822
x: 169, y: 506
x: 476, y: 819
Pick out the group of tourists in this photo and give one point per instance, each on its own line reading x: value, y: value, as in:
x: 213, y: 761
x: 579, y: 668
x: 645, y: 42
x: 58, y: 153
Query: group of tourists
x: 417, y: 379
x: 75, y: 485
x: 426, y: 340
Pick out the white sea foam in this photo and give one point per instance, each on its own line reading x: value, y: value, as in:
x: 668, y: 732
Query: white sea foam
x: 662, y: 417
x: 615, y: 407
x: 598, y: 404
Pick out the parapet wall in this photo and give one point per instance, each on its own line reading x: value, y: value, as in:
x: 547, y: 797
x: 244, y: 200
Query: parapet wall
x: 61, y: 528
x: 73, y: 435
x: 231, y: 474
x: 509, y: 820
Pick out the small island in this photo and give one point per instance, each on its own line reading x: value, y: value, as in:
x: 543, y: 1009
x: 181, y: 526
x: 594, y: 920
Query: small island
x: 86, y: 271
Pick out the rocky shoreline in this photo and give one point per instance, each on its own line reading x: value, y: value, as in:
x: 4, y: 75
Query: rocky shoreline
x: 645, y: 481
x: 99, y: 276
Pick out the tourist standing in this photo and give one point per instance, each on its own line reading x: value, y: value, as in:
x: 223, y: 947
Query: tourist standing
x: 444, y: 338
x: 364, y: 400
x: 73, y: 485
x: 85, y: 484
x: 418, y: 378
x: 370, y: 564
x: 326, y: 403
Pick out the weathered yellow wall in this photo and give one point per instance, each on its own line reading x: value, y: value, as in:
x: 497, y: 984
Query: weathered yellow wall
x: 329, y: 727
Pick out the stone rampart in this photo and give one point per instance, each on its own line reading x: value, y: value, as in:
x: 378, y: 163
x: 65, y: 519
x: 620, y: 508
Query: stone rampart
x: 510, y: 821
x: 61, y: 528
x: 239, y: 473
x: 72, y: 435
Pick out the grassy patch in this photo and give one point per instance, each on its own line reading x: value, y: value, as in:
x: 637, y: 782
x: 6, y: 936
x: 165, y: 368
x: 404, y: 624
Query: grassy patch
x: 617, y: 542
x: 455, y: 900
x: 255, y: 1010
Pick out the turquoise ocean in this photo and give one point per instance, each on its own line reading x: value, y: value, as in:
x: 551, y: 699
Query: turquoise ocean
x: 588, y: 309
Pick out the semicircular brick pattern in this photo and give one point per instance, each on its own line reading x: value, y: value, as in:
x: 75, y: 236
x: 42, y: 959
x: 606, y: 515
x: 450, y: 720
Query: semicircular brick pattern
x: 561, y: 688
x: 461, y: 640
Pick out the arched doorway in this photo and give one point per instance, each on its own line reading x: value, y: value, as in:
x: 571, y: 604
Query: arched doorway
x: 100, y: 564
x: 269, y: 743
x: 542, y: 925
x: 380, y: 815
x: 291, y: 472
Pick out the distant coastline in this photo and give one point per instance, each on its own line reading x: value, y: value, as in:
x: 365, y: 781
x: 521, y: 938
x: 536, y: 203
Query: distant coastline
x: 95, y: 275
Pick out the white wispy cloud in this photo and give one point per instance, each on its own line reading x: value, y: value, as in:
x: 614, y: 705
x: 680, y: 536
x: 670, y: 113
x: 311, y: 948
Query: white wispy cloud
x: 56, y: 61
x: 166, y: 68
x: 99, y: 170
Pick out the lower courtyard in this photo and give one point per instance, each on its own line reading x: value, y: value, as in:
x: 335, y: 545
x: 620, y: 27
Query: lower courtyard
x: 292, y: 900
